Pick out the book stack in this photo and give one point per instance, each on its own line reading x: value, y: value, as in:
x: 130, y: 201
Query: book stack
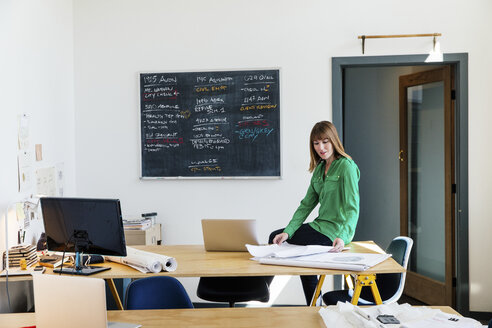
x: 152, y: 216
x: 52, y: 261
x: 16, y: 253
x: 137, y: 223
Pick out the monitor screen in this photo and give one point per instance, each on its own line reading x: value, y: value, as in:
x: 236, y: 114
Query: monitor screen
x: 95, y: 225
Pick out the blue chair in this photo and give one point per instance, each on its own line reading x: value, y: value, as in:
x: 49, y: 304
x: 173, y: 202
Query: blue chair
x: 390, y: 285
x: 157, y: 293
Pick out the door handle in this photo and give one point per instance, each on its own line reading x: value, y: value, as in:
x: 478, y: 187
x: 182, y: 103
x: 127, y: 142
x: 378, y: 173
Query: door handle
x: 400, y: 156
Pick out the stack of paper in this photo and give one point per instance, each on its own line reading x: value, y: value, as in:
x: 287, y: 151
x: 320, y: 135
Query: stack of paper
x: 137, y: 223
x: 314, y: 256
x: 346, y: 315
x: 52, y: 261
x: 287, y: 250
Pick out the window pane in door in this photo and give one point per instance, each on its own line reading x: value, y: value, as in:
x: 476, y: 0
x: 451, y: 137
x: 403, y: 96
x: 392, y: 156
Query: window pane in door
x: 426, y: 208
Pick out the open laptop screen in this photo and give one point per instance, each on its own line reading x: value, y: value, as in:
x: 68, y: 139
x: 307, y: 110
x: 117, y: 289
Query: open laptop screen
x: 228, y: 235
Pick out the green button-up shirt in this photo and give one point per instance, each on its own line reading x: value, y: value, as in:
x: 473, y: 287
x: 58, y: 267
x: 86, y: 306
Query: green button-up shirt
x: 338, y: 195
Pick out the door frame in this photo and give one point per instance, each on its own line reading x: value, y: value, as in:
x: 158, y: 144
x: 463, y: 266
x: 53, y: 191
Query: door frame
x: 460, y: 60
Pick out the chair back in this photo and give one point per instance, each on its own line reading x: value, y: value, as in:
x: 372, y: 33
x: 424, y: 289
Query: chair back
x: 234, y: 289
x: 391, y: 285
x: 156, y: 293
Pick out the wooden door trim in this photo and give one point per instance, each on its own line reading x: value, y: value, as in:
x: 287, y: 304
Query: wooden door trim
x: 448, y: 222
x: 430, y: 288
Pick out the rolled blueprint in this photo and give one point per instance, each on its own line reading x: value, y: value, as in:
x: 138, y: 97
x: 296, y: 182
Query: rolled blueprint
x: 146, y: 261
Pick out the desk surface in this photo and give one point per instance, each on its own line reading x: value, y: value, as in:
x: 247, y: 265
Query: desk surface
x: 216, y: 317
x: 194, y: 261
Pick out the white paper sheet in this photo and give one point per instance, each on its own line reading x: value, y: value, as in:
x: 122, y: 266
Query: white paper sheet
x: 45, y: 181
x: 442, y: 320
x: 362, y: 259
x: 298, y: 262
x: 345, y: 315
x: 23, y: 131
x: 287, y: 250
x: 314, y: 256
x: 25, y: 171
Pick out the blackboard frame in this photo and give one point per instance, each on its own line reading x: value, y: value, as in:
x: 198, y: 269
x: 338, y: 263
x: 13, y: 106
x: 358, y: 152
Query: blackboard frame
x: 280, y: 99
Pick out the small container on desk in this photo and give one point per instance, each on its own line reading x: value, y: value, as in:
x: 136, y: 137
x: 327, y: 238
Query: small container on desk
x: 142, y: 230
x: 149, y: 236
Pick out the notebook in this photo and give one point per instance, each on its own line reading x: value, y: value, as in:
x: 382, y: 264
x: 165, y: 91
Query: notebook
x: 67, y: 301
x: 228, y: 235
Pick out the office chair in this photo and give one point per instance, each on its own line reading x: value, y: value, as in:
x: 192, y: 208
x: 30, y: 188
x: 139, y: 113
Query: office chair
x: 156, y: 293
x: 390, y: 285
x: 234, y: 289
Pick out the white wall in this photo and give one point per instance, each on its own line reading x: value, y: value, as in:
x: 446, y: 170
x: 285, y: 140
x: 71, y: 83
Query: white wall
x: 36, y: 65
x: 115, y: 39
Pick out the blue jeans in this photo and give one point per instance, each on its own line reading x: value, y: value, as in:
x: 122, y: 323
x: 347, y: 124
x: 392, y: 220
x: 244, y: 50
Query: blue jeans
x: 306, y: 235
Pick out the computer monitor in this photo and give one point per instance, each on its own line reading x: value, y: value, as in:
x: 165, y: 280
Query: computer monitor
x: 83, y: 225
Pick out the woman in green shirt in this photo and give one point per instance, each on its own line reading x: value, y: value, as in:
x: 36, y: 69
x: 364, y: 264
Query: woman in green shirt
x: 334, y: 185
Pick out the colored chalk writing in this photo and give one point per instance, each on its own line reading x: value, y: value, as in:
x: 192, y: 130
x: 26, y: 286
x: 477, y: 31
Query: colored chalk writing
x: 210, y: 124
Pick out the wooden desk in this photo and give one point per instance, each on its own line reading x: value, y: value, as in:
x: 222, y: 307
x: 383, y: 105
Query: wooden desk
x: 284, y: 317
x: 194, y: 261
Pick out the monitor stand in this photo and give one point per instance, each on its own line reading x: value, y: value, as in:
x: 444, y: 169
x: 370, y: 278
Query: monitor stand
x: 85, y: 271
x: 80, y: 269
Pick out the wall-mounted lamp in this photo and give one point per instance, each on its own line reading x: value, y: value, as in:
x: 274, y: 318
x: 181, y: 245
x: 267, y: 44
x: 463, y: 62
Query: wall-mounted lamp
x: 364, y: 37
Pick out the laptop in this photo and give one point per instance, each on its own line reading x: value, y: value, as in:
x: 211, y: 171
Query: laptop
x: 228, y: 235
x: 67, y: 301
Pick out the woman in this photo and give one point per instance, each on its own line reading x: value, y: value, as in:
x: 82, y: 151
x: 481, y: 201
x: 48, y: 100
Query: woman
x: 334, y: 185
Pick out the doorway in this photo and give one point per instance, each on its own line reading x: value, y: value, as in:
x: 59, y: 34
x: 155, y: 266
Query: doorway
x: 426, y: 179
x: 369, y: 127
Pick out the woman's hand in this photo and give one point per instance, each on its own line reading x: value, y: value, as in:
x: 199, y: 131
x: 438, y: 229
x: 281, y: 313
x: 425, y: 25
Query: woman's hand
x: 280, y: 238
x: 338, y: 245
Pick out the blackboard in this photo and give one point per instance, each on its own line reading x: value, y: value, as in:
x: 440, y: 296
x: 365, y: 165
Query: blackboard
x: 210, y: 124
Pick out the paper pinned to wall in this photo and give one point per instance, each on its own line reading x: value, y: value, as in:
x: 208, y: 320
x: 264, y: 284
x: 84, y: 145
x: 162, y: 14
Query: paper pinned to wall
x: 46, y: 181
x: 22, y: 219
x: 25, y: 171
x: 23, y: 131
x: 39, y: 152
x: 60, y: 179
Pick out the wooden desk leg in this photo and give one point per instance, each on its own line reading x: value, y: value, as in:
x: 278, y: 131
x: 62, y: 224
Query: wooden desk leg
x: 116, y: 297
x: 366, y: 280
x: 321, y: 280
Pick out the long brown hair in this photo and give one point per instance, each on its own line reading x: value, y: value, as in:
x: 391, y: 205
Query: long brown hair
x: 325, y: 130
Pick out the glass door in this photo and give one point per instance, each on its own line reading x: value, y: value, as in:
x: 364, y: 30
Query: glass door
x: 425, y: 183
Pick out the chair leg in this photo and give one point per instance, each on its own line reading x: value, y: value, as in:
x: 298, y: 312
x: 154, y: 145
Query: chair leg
x: 317, y: 292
